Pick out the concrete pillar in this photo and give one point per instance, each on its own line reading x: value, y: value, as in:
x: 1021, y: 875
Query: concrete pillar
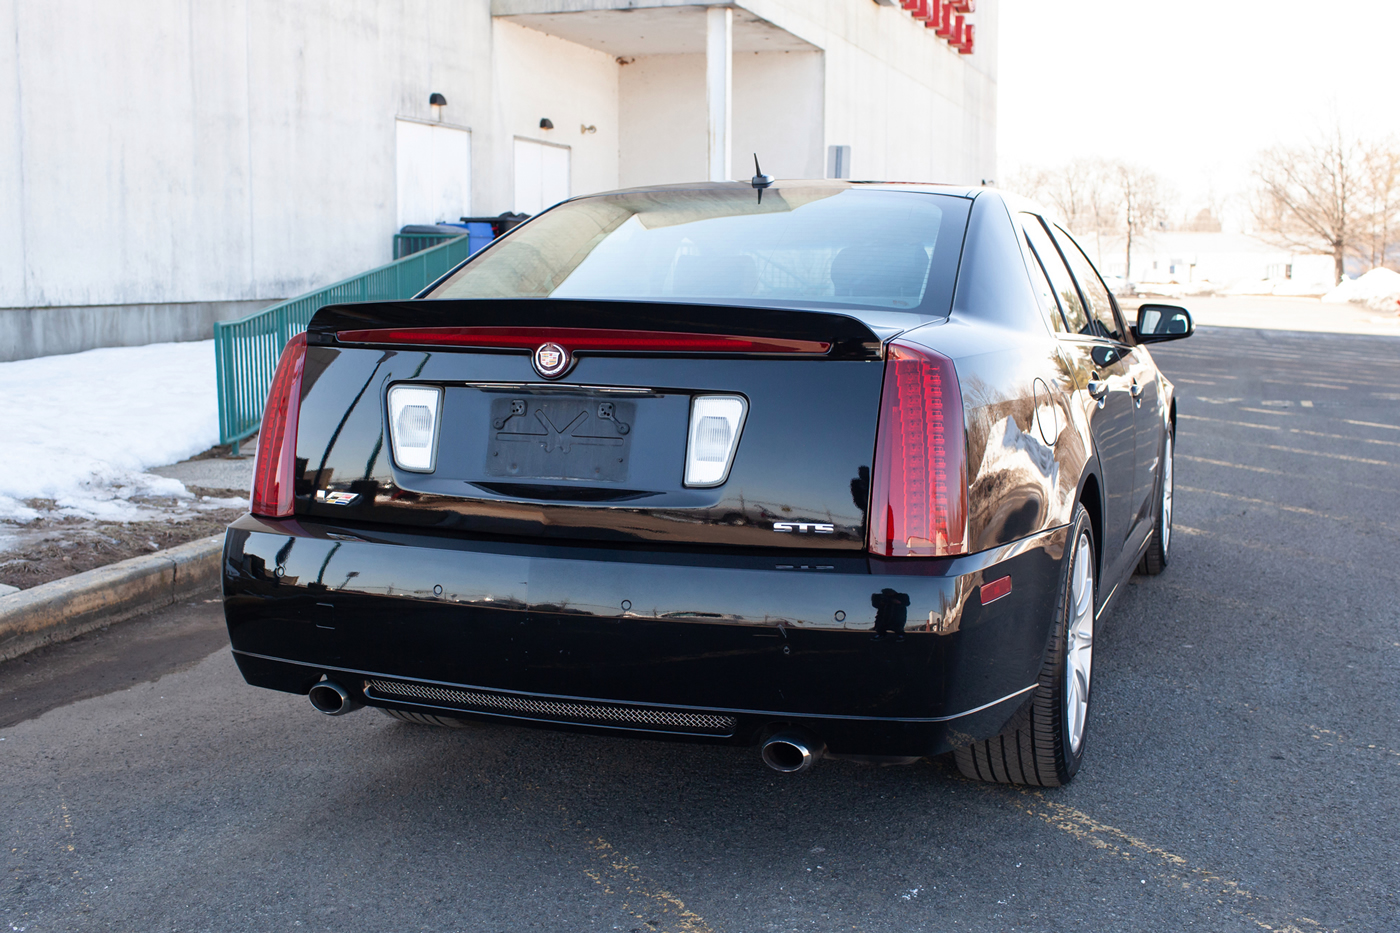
x: 719, y: 88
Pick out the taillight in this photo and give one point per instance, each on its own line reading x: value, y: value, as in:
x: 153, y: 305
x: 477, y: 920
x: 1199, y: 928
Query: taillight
x: 918, y: 494
x: 583, y: 338
x: 274, y: 472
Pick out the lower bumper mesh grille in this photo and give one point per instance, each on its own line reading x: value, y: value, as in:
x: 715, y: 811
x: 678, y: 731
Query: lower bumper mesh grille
x: 557, y: 710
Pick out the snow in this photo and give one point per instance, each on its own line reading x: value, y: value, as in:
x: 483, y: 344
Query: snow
x: 1379, y: 289
x: 82, y: 429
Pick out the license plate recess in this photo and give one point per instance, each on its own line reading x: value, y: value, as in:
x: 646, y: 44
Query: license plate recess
x: 567, y: 437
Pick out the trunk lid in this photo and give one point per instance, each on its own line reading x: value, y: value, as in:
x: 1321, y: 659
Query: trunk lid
x: 599, y: 453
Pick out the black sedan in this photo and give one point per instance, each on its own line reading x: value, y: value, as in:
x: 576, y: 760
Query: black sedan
x: 828, y: 468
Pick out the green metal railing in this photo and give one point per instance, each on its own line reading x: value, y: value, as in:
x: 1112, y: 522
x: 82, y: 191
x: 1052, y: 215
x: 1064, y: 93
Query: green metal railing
x: 246, y: 351
x: 406, y: 244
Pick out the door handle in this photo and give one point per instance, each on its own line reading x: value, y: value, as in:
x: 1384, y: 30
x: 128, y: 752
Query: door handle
x: 1098, y: 388
x: 1136, y: 390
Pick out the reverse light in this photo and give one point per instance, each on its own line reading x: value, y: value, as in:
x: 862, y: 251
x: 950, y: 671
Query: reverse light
x: 715, y: 423
x: 413, y: 422
x: 918, y: 495
x: 274, y: 471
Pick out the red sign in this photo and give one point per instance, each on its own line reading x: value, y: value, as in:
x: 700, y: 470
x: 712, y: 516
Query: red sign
x: 947, y: 19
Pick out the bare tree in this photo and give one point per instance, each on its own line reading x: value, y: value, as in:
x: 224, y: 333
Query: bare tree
x: 1142, y: 205
x: 1102, y: 198
x: 1380, y: 194
x: 1311, y: 197
x: 1082, y: 192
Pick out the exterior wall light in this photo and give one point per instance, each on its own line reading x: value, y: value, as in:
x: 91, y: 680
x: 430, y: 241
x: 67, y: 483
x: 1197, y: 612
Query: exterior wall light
x: 585, y: 128
x: 546, y: 124
x: 437, y: 100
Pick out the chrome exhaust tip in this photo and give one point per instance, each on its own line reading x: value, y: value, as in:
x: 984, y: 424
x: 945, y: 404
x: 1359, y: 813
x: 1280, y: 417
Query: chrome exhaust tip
x: 791, y: 751
x: 332, y: 699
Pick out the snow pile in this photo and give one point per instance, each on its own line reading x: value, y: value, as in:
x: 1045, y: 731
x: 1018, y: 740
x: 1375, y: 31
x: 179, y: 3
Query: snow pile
x: 1297, y: 288
x: 1379, y: 289
x: 83, y: 428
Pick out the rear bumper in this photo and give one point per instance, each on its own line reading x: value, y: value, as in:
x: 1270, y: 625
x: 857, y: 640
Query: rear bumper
x: 691, y: 646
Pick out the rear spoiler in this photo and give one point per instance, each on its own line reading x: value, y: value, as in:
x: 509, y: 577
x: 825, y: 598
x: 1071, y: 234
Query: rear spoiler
x: 518, y: 323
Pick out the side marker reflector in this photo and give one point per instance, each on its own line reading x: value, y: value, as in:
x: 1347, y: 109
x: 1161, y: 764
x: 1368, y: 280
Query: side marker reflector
x: 995, y: 590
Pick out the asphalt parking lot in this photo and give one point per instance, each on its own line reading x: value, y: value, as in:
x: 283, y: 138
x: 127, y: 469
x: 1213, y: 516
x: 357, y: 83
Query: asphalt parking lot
x: 1242, y: 772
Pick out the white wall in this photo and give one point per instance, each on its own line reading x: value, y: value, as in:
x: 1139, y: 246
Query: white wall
x: 214, y: 151
x: 910, y: 107
x: 662, y: 115
x: 541, y: 76
x: 179, y: 152
x: 779, y: 102
x: 778, y: 113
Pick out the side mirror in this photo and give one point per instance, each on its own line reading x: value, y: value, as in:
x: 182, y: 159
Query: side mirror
x: 1156, y: 323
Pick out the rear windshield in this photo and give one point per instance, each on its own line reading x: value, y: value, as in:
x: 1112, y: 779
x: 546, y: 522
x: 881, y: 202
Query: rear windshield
x: 826, y: 246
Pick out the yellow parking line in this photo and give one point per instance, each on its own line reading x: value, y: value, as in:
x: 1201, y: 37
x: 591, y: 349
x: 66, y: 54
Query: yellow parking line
x: 1172, y: 868
x: 1287, y: 508
x: 1290, y: 473
x: 1320, y: 453
x: 1373, y: 424
x: 1238, y: 424
x: 659, y: 909
x: 1328, y: 737
x: 1345, y: 437
x: 1238, y: 466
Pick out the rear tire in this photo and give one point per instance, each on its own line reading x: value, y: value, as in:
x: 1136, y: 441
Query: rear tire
x: 1044, y: 744
x: 1154, y: 559
x: 426, y: 719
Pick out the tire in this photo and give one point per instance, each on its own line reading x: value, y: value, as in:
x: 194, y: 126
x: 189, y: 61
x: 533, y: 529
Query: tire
x: 1154, y: 559
x: 1044, y: 744
x: 426, y: 719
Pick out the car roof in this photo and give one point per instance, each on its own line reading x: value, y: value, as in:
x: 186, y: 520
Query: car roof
x: 962, y: 191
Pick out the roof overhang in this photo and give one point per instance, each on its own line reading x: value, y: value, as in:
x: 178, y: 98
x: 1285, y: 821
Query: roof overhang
x: 644, y: 27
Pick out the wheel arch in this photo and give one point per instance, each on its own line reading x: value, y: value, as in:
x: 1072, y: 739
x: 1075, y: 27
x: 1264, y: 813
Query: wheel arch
x: 1091, y: 497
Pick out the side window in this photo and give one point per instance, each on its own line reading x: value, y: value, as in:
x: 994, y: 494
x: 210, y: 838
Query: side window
x: 1043, y: 291
x: 1060, y: 278
x: 1100, y: 303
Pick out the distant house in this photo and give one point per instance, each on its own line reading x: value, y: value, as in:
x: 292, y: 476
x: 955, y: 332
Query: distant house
x: 1202, y: 260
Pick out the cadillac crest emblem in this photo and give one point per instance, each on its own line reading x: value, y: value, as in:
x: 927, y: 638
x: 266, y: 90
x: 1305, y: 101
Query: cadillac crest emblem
x: 551, y: 360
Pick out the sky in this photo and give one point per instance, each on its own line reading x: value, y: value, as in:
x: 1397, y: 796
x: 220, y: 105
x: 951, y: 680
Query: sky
x: 1191, y: 89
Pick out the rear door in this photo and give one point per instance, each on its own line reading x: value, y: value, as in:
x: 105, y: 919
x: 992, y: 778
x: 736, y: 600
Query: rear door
x: 1148, y: 418
x: 1104, y: 373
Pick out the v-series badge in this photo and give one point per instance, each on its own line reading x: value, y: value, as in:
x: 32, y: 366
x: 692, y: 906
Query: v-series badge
x: 803, y: 528
x: 336, y: 498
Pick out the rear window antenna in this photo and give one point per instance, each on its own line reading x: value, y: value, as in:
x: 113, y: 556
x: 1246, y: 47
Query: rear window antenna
x: 759, y: 179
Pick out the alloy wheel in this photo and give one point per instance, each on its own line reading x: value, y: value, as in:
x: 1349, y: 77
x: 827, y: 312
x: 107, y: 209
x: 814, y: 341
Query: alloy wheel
x: 1079, y: 641
x: 1167, y: 495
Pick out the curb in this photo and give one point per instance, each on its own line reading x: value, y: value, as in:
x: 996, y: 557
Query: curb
x: 64, y: 609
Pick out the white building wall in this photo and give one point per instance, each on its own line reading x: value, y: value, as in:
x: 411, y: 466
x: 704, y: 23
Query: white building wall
x: 910, y: 107
x: 540, y: 76
x: 779, y: 113
x: 166, y: 165
x: 229, y: 151
x: 662, y: 115
x: 778, y: 99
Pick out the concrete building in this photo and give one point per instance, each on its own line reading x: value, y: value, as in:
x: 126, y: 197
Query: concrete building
x: 167, y: 164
